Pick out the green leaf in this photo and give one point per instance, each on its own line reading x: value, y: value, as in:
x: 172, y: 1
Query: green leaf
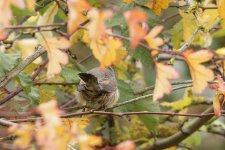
x: 94, y: 3
x: 18, y: 12
x: 219, y: 33
x: 150, y: 121
x: 34, y: 95
x: 8, y: 62
x: 177, y: 35
x: 116, y: 20
x: 24, y: 79
x: 141, y: 2
x: 153, y: 19
x: 126, y: 93
x: 70, y: 74
x: 193, y: 140
x: 145, y: 57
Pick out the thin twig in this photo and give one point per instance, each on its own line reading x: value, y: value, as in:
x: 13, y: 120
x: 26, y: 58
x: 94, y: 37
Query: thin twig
x: 188, y: 42
x: 7, y: 123
x: 18, y: 27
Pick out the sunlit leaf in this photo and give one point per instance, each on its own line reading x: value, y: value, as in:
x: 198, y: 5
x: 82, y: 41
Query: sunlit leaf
x: 56, y: 56
x: 199, y: 73
x: 162, y: 85
x: 158, y: 5
x: 27, y: 48
x: 153, y: 41
x: 221, y: 11
x: 97, y: 27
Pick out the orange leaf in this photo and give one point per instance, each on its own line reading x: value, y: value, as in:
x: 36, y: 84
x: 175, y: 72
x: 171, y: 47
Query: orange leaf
x: 162, y: 85
x: 137, y: 33
x: 56, y: 56
x: 199, y: 73
x: 221, y: 84
x: 75, y: 16
x: 158, y: 5
x: 97, y: 27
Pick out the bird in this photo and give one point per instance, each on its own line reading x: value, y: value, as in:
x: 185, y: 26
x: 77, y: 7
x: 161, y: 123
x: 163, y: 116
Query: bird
x: 97, y: 89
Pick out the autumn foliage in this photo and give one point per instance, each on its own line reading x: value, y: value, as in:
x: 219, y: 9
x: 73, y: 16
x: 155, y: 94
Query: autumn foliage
x: 155, y: 47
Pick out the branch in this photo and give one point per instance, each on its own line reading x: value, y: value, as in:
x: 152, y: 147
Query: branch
x: 184, y: 133
x: 18, y: 90
x: 119, y: 114
x: 6, y: 123
x: 188, y: 42
x: 14, y: 72
x: 18, y: 27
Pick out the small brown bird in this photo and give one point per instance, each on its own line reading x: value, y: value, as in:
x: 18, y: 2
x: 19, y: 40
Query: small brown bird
x: 98, y: 89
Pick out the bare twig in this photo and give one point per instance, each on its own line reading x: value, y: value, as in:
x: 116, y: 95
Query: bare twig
x: 6, y: 122
x: 188, y: 42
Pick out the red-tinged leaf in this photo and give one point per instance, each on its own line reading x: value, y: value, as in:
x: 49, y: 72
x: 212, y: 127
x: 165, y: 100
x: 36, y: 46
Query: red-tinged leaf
x: 134, y: 19
x: 221, y: 84
x: 126, y: 145
x: 162, y: 85
x: 199, y: 73
x: 214, y: 86
x: 75, y: 16
x: 218, y: 103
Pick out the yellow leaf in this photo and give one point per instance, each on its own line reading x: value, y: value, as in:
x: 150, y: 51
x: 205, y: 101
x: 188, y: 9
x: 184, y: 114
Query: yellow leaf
x: 153, y: 41
x: 221, y: 11
x: 106, y: 51
x: 208, y: 17
x: 162, y: 85
x: 75, y: 16
x: 186, y: 101
x: 30, y: 4
x: 27, y: 48
x: 158, y: 5
x: 96, y: 26
x: 199, y: 73
x: 220, y: 51
x: 134, y: 19
x: 56, y: 56
x: 24, y: 135
x: 120, y: 54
